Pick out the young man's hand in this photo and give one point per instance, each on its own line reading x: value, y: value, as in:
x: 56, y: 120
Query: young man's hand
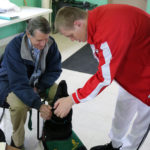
x: 45, y: 111
x: 63, y: 106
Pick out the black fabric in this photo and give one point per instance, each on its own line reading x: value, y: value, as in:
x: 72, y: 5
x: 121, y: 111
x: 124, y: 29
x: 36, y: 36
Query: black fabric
x: 82, y: 148
x: 3, y: 103
x: 1, y: 58
x: 2, y: 136
x: 58, y: 128
x: 82, y: 61
x: 104, y: 147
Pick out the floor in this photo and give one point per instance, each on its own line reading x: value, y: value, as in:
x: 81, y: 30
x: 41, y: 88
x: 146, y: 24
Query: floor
x: 91, y: 120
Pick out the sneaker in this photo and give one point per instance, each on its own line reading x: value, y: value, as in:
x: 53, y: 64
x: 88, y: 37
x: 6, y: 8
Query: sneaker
x: 18, y: 147
x: 104, y: 147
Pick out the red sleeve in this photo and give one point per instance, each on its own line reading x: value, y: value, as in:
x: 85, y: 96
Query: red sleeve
x: 98, y: 81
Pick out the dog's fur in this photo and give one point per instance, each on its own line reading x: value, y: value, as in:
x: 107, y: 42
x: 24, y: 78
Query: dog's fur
x: 57, y: 128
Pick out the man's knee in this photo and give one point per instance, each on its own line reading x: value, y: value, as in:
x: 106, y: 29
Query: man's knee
x: 15, y: 103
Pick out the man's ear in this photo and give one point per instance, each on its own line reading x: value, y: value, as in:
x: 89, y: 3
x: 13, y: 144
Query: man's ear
x: 78, y: 23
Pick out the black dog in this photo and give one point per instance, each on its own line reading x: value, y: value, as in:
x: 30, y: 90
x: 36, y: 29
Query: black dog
x: 59, y: 128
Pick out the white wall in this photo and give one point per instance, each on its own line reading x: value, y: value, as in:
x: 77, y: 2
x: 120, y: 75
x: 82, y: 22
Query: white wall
x: 47, y: 4
x: 138, y: 3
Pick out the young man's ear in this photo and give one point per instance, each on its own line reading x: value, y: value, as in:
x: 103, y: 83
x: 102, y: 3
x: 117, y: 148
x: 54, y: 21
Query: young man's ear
x: 78, y: 23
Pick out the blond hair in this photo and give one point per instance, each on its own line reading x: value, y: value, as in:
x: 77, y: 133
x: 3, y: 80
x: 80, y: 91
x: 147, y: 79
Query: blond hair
x: 66, y: 16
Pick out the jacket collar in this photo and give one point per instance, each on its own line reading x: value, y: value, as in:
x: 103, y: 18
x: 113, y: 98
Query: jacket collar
x: 25, y: 49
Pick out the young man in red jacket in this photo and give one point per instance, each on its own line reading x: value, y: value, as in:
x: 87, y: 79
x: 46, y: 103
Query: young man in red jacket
x: 119, y: 36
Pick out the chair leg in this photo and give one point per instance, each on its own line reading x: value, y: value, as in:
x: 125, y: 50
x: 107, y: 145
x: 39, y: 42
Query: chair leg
x: 38, y: 126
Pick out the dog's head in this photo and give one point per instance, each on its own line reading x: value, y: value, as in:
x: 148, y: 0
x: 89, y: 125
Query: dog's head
x: 61, y: 92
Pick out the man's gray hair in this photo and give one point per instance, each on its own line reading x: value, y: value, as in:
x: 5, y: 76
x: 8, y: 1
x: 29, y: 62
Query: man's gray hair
x: 38, y: 23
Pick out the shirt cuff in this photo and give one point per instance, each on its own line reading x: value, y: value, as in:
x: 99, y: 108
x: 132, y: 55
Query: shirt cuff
x: 75, y: 99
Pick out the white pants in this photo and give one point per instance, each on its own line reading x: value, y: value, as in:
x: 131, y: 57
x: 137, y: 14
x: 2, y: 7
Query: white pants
x: 130, y: 113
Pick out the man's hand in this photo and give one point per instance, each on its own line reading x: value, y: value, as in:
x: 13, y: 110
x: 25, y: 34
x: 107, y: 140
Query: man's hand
x: 35, y: 90
x: 63, y: 106
x: 45, y: 111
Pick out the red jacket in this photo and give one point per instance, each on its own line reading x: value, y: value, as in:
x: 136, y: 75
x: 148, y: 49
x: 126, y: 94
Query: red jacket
x: 120, y: 39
